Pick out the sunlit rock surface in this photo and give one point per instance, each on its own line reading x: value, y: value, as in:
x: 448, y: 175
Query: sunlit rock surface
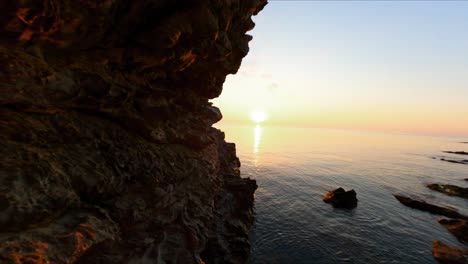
x: 107, y: 151
x: 449, y: 189
x: 448, y: 254
x: 458, y: 227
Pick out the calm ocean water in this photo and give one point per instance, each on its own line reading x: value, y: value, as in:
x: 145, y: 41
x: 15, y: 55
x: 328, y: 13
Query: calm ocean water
x: 295, y: 167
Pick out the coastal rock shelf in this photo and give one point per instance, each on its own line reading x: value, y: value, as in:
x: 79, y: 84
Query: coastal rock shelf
x: 434, y: 209
x: 449, y: 189
x: 457, y: 152
x: 459, y: 228
x: 456, y: 161
x: 448, y: 254
x: 108, y: 154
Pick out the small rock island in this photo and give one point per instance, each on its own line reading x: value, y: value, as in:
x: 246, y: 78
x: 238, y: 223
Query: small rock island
x: 340, y: 198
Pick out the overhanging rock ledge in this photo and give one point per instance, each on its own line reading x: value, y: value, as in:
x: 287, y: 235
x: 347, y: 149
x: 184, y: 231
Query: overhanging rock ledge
x: 107, y: 150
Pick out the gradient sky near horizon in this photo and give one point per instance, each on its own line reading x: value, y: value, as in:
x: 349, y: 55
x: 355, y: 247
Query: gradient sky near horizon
x: 397, y: 66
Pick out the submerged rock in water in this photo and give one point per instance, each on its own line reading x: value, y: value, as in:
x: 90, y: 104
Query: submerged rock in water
x: 455, y: 161
x: 107, y: 149
x: 341, y: 199
x: 424, y: 206
x: 448, y: 254
x: 458, y: 227
x: 457, y: 152
x: 448, y: 189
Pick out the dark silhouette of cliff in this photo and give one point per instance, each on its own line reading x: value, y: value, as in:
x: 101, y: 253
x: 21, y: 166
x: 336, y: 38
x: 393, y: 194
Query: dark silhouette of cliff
x: 107, y: 150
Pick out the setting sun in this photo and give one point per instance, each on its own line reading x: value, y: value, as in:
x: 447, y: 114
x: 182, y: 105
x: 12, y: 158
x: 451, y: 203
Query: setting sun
x: 258, y: 116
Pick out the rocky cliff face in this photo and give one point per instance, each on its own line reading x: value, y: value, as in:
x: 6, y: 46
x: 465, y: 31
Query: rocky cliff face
x: 107, y: 151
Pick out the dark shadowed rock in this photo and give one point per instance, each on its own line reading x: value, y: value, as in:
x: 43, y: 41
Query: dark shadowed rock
x: 107, y: 150
x: 457, y: 152
x: 458, y: 227
x: 448, y: 254
x: 424, y: 206
x: 341, y: 199
x: 455, y: 161
x: 449, y: 189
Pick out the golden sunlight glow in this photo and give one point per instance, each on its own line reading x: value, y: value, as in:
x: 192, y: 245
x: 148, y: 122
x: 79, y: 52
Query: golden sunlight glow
x: 258, y: 116
x: 257, y: 138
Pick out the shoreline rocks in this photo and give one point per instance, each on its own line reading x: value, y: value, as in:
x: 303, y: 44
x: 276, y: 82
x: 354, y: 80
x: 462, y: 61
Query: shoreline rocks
x: 449, y: 189
x: 458, y: 227
x: 465, y: 162
x: 434, y: 209
x: 457, y: 152
x: 449, y: 254
x: 340, y: 198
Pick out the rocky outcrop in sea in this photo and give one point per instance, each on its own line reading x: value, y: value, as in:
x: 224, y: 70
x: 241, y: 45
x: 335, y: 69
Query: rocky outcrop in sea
x: 108, y: 154
x: 340, y: 198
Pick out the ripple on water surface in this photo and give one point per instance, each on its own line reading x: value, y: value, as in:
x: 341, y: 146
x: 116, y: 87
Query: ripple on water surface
x: 294, y: 168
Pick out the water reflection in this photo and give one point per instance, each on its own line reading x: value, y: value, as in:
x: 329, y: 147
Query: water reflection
x: 257, y: 140
x: 295, y: 167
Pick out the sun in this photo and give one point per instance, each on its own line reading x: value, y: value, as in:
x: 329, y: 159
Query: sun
x: 258, y: 116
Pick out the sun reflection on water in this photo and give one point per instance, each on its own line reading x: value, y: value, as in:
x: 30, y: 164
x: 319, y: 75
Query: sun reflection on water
x: 294, y: 167
x: 257, y: 140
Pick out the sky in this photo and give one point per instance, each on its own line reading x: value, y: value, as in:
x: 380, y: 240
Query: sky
x: 398, y: 66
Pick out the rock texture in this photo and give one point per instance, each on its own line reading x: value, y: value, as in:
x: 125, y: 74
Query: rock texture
x: 107, y: 151
x: 459, y: 228
x: 448, y: 189
x: 340, y: 198
x: 455, y: 161
x: 434, y: 209
x: 457, y: 152
x: 448, y: 254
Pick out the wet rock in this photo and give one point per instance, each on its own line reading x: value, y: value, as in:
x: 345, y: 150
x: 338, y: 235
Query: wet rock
x: 341, y: 199
x: 448, y: 254
x: 457, y: 152
x: 107, y: 150
x: 424, y: 206
x: 455, y: 161
x: 458, y: 227
x: 448, y: 189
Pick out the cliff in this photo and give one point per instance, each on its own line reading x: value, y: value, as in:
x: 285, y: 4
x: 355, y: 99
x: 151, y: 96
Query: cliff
x: 107, y: 150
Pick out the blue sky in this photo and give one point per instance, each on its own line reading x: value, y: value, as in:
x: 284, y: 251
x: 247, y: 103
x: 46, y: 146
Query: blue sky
x: 380, y: 65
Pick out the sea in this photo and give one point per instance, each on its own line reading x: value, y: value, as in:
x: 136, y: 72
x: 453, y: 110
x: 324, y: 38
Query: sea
x: 295, y: 167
